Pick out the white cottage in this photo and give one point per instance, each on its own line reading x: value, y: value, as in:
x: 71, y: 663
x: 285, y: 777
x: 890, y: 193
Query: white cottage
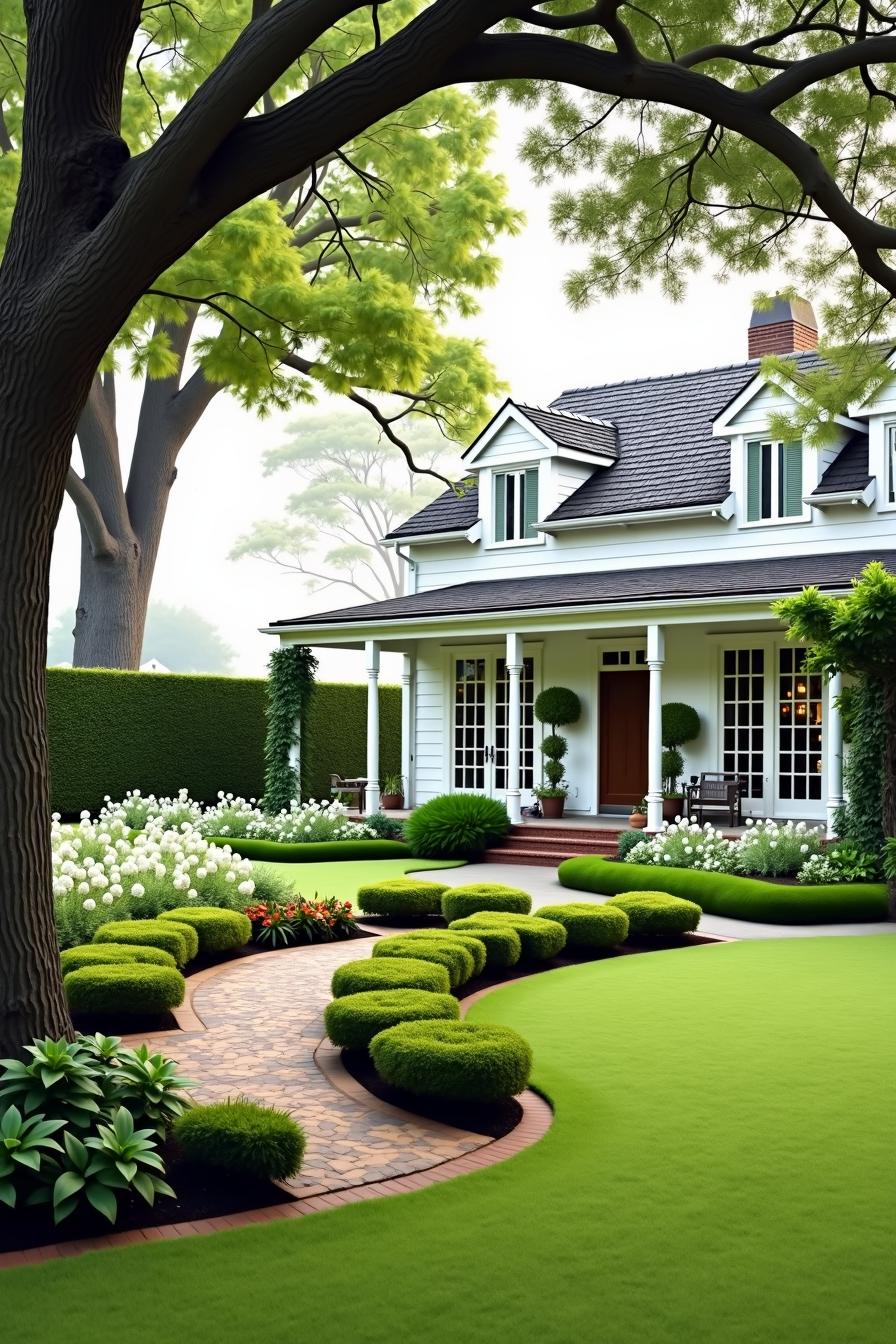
x: 626, y: 542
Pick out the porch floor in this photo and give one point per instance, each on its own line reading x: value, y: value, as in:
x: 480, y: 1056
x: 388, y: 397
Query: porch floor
x: 601, y: 821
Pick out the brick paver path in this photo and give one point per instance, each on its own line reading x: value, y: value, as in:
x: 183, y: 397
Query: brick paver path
x: 263, y: 1020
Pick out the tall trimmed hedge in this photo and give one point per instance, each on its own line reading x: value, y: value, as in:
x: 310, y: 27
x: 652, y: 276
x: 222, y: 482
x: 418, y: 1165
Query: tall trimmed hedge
x: 157, y: 731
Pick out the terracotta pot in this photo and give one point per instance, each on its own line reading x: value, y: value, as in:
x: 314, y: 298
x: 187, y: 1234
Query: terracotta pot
x: 390, y: 802
x: 552, y: 808
x: 637, y: 820
x: 673, y: 807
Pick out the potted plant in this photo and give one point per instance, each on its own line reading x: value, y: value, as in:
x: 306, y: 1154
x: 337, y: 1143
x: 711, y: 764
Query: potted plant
x: 638, y: 815
x: 680, y: 723
x: 556, y: 706
x: 392, y: 795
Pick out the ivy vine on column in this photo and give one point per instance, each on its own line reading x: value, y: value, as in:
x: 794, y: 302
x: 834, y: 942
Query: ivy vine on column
x: 291, y: 673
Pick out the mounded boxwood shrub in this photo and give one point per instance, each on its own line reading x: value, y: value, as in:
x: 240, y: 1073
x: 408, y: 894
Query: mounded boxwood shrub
x: 409, y: 897
x: 588, y: 924
x: 474, y: 946
x: 317, y: 851
x: 502, y: 945
x: 353, y: 1021
x: 242, y: 1137
x: 458, y: 902
x: 106, y: 954
x: 460, y: 1061
x: 218, y: 930
x: 456, y: 826
x: 457, y: 961
x: 180, y: 940
x: 123, y: 989
x: 655, y: 914
x: 389, y: 973
x: 541, y: 939
x: 730, y: 895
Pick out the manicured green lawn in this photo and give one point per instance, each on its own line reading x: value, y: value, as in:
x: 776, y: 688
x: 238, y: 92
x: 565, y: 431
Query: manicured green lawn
x: 720, y: 1171
x: 343, y: 879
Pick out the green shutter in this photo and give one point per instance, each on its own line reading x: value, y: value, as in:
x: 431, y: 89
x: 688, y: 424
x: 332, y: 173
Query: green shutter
x: 530, y: 503
x: 754, y: 481
x: 791, y: 469
x: 500, y: 507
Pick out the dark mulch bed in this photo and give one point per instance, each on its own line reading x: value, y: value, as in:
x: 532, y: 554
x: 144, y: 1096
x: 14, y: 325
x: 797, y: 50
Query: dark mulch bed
x: 494, y: 1119
x: 202, y: 1192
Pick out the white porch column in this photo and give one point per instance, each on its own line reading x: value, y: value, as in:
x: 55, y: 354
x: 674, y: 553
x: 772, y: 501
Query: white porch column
x: 514, y: 713
x: 655, y: 660
x: 372, y: 792
x: 833, y: 732
x: 407, y: 727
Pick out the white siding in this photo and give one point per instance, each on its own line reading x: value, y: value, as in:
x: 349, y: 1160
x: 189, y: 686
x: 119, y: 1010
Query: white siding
x: 431, y: 748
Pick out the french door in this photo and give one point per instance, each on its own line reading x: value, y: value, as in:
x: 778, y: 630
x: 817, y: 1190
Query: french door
x: 480, y: 724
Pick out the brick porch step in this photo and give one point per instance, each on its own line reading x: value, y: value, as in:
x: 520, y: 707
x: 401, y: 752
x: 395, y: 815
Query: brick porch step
x: 547, y: 846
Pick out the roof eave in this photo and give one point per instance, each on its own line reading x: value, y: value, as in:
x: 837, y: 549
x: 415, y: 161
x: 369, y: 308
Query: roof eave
x: 471, y: 534
x: 723, y: 510
x: 828, y: 498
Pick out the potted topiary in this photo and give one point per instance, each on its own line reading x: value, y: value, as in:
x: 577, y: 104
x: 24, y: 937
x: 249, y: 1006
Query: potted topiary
x: 392, y: 795
x: 556, y: 706
x: 680, y: 723
x: 638, y: 815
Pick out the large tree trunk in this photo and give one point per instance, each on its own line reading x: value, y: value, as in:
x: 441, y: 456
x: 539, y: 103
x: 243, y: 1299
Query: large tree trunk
x: 33, y: 458
x: 111, y: 612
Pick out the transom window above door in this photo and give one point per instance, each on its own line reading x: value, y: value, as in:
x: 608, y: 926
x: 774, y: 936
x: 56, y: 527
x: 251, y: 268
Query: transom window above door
x: 516, y: 505
x: 774, y: 480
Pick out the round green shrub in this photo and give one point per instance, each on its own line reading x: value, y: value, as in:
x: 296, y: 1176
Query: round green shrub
x: 389, y: 973
x: 126, y: 988
x: 541, y: 939
x: 502, y: 946
x: 680, y: 724
x: 653, y: 914
x: 179, y: 940
x: 107, y: 954
x: 458, y: 902
x: 457, y: 961
x: 218, y: 930
x: 461, y: 1061
x: 242, y: 1137
x: 474, y: 946
x: 409, y: 897
x: 456, y: 826
x: 557, y: 705
x: 353, y: 1021
x: 587, y: 924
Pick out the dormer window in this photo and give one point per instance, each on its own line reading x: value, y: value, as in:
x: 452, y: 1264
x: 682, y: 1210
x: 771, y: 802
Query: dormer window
x: 774, y: 480
x: 516, y: 505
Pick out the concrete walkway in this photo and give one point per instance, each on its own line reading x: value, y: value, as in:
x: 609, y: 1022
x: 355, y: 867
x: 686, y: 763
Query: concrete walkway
x: 544, y: 888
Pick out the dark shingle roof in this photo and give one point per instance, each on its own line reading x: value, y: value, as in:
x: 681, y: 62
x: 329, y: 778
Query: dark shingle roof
x: 668, y: 457
x: 849, y: 469
x: 450, y: 512
x: 568, y: 430
x: 728, y: 578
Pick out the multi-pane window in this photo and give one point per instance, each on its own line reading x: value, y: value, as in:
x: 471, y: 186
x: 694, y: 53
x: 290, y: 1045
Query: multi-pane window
x: 743, y: 716
x: 469, y: 723
x: 774, y: 480
x: 799, y: 727
x: 527, y: 723
x: 516, y: 505
x: 891, y: 464
x: 624, y: 658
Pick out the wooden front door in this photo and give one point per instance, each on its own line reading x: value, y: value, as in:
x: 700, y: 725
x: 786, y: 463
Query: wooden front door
x: 623, y: 738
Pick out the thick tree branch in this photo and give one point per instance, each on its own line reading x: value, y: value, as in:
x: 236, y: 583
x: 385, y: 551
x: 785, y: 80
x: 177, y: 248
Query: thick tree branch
x: 90, y: 516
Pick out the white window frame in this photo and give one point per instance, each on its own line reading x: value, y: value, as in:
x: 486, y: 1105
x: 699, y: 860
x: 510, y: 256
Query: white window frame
x: 496, y: 474
x: 775, y: 519
x: 888, y: 493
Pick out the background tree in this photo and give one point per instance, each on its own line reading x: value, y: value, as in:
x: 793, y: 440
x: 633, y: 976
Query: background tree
x: 854, y: 635
x: 179, y: 637
x: 100, y: 216
x: 356, y: 488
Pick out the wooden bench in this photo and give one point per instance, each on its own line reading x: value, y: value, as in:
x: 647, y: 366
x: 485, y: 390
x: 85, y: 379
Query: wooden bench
x: 354, y: 788
x: 717, y: 791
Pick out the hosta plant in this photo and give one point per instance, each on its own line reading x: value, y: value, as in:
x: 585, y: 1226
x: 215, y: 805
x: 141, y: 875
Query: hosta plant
x: 118, y: 1158
x: 60, y: 1078
x: 149, y: 1085
x: 25, y: 1142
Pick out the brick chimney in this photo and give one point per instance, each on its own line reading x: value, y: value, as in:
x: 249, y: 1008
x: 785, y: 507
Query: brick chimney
x: 784, y: 329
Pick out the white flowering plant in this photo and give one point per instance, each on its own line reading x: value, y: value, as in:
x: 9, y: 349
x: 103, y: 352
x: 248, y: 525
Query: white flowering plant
x: 819, y: 870
x: 236, y: 817
x: 766, y: 850
x: 685, y: 844
x: 102, y: 872
x: 770, y: 849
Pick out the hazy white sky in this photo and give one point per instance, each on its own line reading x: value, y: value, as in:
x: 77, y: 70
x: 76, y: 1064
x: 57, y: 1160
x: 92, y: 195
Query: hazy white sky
x: 539, y: 347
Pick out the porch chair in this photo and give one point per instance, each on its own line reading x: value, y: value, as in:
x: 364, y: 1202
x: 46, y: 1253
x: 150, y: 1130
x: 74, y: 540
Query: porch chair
x: 717, y: 791
x: 354, y: 788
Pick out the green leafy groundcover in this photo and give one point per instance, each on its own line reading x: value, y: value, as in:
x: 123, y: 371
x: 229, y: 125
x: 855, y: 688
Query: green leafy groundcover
x: 727, y: 894
x: 717, y: 1173
x: 318, y: 851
